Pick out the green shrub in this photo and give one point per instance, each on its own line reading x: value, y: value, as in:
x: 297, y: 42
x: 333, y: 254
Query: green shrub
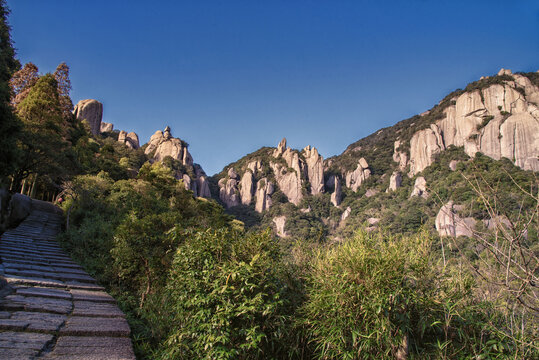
x: 374, y: 294
x: 228, y: 298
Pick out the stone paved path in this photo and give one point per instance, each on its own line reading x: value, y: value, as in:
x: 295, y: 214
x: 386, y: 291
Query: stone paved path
x: 49, y: 307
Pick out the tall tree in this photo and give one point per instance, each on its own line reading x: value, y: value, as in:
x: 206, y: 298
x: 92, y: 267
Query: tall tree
x: 44, y: 137
x: 9, y: 124
x: 22, y: 81
x: 64, y: 87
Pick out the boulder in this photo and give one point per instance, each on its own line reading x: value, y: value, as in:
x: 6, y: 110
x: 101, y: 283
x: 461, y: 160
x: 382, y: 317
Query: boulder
x: 20, y: 207
x: 453, y: 165
x: 92, y: 111
x: 371, y: 192
x: 346, y: 213
x: 449, y: 223
x: 420, y: 188
x: 106, y: 127
x: 280, y: 222
x: 132, y: 140
x: 355, y: 178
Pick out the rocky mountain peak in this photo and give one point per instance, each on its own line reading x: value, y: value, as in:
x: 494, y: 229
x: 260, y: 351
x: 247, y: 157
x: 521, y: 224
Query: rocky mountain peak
x: 92, y: 111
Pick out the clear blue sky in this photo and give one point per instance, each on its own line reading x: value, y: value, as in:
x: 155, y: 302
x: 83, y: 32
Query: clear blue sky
x: 232, y: 76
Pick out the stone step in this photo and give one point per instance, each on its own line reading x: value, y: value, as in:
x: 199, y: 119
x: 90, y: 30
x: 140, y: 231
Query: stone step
x: 35, y: 303
x: 95, y: 326
x: 86, y: 347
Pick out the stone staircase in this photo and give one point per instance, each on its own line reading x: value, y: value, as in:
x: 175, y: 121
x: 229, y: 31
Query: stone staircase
x: 49, y: 307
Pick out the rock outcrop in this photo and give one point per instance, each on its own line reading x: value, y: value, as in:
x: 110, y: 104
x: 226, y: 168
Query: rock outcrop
x: 400, y: 156
x: 163, y: 144
x: 355, y: 178
x: 247, y: 187
x: 264, y: 189
x: 395, y: 181
x: 289, y: 178
x: 449, y: 223
x: 129, y: 139
x: 280, y: 222
x: 336, y: 196
x: 315, y: 169
x: 92, y: 111
x: 346, y: 213
x: 501, y: 120
x: 106, y: 127
x: 420, y: 188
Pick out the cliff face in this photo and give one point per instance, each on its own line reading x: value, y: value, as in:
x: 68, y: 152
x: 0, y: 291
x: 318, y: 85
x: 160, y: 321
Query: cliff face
x: 273, y: 169
x: 501, y: 120
x: 163, y: 145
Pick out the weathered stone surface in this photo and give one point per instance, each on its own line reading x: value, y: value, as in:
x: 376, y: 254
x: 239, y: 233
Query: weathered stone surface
x: 34, y: 303
x: 18, y: 340
x: 164, y: 144
x: 106, y: 127
x: 315, y: 169
x: 371, y: 192
x: 95, y: 326
x: 247, y: 188
x: 88, y: 295
x: 20, y: 207
x: 346, y: 213
x: 41, y: 302
x: 449, y: 223
x: 96, y: 309
x: 453, y: 165
x: 395, y: 181
x: 399, y: 156
x: 87, y: 347
x: 264, y: 189
x: 44, y: 292
x: 336, y: 196
x: 420, y: 187
x: 228, y: 192
x: 424, y: 145
x: 355, y: 178
x: 92, y: 111
x: 280, y: 222
x: 511, y: 129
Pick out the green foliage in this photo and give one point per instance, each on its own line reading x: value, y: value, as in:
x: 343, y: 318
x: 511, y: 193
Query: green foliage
x: 227, y: 297
x: 9, y: 125
x: 43, y: 141
x: 370, y: 296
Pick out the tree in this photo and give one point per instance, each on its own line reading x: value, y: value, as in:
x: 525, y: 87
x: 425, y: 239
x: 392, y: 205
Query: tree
x: 9, y: 124
x: 22, y: 81
x: 64, y: 87
x: 43, y: 141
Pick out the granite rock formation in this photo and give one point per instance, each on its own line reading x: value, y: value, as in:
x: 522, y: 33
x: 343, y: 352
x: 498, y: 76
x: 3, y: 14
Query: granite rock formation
x: 92, y: 111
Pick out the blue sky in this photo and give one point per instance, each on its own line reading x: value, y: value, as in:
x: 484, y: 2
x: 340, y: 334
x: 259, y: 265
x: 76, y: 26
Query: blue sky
x: 232, y: 76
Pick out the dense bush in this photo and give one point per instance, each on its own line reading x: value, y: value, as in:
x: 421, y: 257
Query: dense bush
x: 377, y: 297
x: 228, y: 298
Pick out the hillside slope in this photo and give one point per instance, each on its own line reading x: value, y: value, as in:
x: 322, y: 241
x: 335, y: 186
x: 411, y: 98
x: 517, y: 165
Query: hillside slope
x: 386, y: 178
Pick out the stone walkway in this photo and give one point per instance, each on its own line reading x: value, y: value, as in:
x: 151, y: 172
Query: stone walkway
x: 49, y: 307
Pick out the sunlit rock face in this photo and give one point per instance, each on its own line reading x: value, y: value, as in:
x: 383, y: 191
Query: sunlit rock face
x: 498, y: 121
x: 92, y: 111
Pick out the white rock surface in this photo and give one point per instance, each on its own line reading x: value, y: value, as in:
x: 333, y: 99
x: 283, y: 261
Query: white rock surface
x: 449, y: 223
x: 355, y: 178
x: 420, y: 188
x: 92, y: 111
x: 280, y: 222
